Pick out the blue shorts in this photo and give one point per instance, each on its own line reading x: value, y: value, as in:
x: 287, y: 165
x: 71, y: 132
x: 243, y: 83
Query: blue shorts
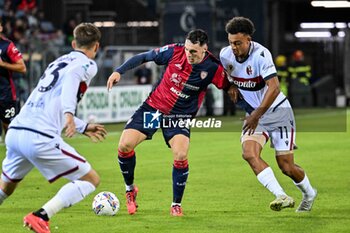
x: 8, y: 111
x: 138, y: 121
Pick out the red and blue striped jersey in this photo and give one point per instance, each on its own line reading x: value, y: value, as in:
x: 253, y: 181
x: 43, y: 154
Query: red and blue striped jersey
x: 182, y: 86
x: 8, y: 53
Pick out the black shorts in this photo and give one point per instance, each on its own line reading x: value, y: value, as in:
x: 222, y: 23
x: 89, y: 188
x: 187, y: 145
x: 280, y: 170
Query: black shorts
x: 8, y: 110
x: 139, y: 121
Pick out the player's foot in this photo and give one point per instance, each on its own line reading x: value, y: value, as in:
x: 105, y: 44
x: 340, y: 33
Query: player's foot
x: 131, y: 200
x: 36, y: 224
x: 282, y: 202
x: 306, y: 203
x: 176, y: 211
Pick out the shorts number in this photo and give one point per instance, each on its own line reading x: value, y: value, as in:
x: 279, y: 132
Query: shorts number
x: 281, y: 131
x: 10, y: 112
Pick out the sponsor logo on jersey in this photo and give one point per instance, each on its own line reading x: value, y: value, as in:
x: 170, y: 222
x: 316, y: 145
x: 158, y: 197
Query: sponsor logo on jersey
x: 191, y: 87
x: 230, y: 68
x: 249, y: 70
x: 176, y: 79
x: 179, y: 93
x: 179, y: 66
x: 249, y: 84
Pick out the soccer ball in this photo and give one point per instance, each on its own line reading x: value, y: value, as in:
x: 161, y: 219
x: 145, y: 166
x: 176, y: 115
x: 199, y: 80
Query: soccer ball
x: 105, y: 203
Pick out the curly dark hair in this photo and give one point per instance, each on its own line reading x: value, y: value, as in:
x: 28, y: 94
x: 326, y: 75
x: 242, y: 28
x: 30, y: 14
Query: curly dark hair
x: 240, y: 25
x: 198, y: 36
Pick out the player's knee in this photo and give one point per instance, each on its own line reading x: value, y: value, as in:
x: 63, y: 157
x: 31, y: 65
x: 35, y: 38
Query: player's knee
x: 7, y: 188
x: 125, y: 146
x: 180, y: 155
x: 248, y: 156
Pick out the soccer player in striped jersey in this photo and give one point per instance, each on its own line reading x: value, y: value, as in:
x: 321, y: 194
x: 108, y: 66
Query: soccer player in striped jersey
x: 251, y: 69
x: 11, y: 60
x: 34, y: 136
x: 189, y: 69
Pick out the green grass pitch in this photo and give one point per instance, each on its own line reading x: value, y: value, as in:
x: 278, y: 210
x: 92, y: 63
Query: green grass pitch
x: 222, y: 193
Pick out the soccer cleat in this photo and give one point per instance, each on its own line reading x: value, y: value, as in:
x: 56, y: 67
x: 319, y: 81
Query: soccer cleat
x: 306, y: 203
x: 282, y: 202
x: 36, y: 224
x: 176, y: 211
x: 131, y: 200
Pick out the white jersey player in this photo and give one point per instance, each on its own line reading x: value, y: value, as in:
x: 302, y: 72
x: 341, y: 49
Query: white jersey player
x: 270, y: 115
x: 34, y: 136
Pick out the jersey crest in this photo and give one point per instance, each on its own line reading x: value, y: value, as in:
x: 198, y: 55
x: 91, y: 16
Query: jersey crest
x: 204, y: 74
x: 249, y: 70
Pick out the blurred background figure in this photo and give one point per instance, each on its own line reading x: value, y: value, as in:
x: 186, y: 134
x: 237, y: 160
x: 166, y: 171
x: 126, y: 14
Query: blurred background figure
x: 229, y: 106
x: 300, y: 93
x: 209, y: 102
x: 143, y: 75
x: 299, y: 69
x: 282, y: 73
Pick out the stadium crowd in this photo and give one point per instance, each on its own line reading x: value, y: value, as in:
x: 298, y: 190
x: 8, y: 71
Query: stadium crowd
x: 39, y: 41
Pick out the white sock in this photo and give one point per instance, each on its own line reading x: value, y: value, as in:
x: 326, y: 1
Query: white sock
x: 305, y: 187
x: 269, y: 181
x: 173, y: 204
x: 68, y: 195
x: 129, y: 188
x: 3, y: 196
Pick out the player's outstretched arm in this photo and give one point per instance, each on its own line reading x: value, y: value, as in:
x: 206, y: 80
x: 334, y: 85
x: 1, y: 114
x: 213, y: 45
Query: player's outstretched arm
x: 95, y: 132
x: 113, y: 79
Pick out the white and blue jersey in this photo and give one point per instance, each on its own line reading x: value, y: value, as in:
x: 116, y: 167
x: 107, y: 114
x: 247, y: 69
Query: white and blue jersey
x: 58, y: 91
x: 250, y: 74
x: 34, y: 136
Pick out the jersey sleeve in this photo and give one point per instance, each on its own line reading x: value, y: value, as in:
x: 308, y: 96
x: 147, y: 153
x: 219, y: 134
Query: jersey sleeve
x: 80, y: 125
x: 160, y: 56
x: 13, y: 53
x: 89, y: 70
x: 164, y: 54
x: 267, y: 68
x: 220, y: 79
x: 82, y: 72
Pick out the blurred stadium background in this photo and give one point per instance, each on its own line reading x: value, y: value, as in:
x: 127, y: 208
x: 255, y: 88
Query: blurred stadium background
x: 42, y: 30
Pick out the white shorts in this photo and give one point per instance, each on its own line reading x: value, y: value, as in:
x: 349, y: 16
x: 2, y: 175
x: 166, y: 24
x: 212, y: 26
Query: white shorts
x: 279, y: 125
x: 50, y: 155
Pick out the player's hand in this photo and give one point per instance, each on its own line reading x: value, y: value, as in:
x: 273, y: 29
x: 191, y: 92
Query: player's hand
x: 233, y: 92
x: 69, y: 125
x: 95, y: 132
x: 113, y: 79
x: 250, y: 123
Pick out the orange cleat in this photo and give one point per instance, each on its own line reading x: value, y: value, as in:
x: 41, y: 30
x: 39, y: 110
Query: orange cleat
x: 36, y: 223
x: 176, y: 211
x: 131, y: 200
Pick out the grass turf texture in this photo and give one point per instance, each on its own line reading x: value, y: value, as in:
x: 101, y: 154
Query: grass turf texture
x: 222, y: 193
